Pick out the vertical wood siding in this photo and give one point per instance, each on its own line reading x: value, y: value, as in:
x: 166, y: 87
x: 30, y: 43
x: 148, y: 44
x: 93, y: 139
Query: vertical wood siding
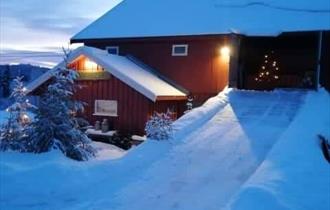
x: 203, y: 72
x: 134, y: 109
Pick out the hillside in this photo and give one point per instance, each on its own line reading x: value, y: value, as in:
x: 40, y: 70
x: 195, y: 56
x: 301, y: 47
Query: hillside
x: 239, y: 151
x: 29, y: 72
x: 9, y: 72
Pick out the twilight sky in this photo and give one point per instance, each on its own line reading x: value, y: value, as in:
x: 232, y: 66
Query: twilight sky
x: 33, y: 31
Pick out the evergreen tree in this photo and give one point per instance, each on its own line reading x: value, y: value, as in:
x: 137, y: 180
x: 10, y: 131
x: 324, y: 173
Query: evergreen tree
x: 13, y: 132
x: 5, y: 82
x: 56, y: 125
x: 269, y: 69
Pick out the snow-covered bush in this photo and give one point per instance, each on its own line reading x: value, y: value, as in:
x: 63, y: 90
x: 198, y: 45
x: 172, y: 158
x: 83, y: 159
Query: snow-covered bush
x: 56, y: 125
x: 159, y: 126
x: 13, y: 131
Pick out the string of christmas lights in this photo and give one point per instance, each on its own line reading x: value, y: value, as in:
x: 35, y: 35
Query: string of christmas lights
x: 269, y: 69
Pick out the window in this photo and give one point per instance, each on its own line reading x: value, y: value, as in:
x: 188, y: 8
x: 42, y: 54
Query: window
x: 179, y: 50
x: 113, y: 50
x: 106, y: 108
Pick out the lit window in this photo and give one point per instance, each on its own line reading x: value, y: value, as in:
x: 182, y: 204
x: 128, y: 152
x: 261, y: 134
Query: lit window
x: 105, y: 108
x: 180, y: 50
x: 90, y: 65
x: 113, y: 50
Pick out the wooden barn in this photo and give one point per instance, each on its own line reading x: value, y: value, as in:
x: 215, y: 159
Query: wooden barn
x: 198, y: 48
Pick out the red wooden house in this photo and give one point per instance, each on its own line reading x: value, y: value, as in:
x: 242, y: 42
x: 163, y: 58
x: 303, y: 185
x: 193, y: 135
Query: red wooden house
x: 197, y: 48
x: 119, y: 89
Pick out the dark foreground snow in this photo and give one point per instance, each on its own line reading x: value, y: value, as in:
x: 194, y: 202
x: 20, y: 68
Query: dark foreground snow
x: 240, y: 151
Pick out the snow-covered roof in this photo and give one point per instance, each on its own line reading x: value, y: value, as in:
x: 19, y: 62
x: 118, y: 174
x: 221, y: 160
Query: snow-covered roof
x: 153, y: 18
x: 140, y: 79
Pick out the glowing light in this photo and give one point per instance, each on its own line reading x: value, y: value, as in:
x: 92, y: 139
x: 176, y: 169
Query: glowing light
x: 90, y: 65
x: 263, y: 67
x: 225, y: 51
x: 24, y: 89
x: 25, y: 119
x: 7, y: 110
x: 266, y: 56
x: 276, y: 77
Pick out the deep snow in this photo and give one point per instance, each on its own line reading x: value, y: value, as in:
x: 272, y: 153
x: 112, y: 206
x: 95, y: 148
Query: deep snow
x: 218, y: 158
x: 175, y: 17
x: 294, y: 175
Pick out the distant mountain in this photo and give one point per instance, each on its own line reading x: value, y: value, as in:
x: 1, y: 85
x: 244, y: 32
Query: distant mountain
x: 9, y: 72
x: 29, y: 72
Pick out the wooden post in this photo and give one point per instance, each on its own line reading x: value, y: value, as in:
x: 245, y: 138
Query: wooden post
x: 318, y: 66
x: 233, y: 62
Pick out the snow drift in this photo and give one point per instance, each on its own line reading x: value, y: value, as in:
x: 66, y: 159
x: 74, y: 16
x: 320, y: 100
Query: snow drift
x: 241, y: 150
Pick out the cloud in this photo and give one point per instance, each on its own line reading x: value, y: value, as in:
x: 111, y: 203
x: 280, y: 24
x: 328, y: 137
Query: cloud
x: 45, y: 24
x: 39, y: 58
x: 69, y: 25
x: 68, y: 16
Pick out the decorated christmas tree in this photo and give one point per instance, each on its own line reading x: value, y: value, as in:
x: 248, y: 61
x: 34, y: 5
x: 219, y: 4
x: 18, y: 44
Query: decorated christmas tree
x: 269, y: 69
x: 13, y: 131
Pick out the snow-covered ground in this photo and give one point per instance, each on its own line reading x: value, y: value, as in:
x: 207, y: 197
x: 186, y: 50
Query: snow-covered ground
x: 294, y: 175
x: 241, y: 150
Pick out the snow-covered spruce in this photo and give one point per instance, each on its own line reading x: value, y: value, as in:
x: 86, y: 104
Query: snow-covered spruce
x: 159, y: 127
x: 13, y: 131
x: 56, y: 125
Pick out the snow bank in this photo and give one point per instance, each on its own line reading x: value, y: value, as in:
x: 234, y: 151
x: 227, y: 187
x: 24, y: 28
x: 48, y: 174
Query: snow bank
x: 295, y: 175
x: 215, y: 149
x: 198, y: 116
x: 108, y: 151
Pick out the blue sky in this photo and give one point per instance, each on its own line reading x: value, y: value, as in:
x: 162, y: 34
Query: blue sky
x: 33, y: 31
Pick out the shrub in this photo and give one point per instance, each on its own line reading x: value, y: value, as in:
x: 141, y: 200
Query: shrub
x: 159, y: 126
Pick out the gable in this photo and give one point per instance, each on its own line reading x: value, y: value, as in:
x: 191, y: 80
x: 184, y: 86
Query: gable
x: 88, y: 69
x: 133, y: 75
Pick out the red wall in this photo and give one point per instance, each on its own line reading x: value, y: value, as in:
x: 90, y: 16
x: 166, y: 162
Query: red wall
x: 134, y: 109
x: 203, y: 72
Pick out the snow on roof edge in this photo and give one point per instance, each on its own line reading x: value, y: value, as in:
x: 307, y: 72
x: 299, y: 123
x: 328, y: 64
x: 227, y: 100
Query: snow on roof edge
x: 127, y: 81
x: 107, y: 26
x: 92, y: 54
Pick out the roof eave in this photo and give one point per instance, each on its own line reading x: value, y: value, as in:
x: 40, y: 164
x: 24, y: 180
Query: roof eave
x: 171, y: 98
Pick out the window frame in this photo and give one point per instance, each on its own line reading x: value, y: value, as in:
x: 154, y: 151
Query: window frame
x: 112, y: 47
x: 104, y: 113
x: 186, y: 46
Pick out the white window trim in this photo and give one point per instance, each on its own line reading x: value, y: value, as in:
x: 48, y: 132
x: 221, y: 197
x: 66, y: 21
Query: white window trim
x: 104, y: 113
x: 113, y: 47
x: 179, y: 54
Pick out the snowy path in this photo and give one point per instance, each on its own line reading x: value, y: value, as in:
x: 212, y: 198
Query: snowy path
x: 211, y: 163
